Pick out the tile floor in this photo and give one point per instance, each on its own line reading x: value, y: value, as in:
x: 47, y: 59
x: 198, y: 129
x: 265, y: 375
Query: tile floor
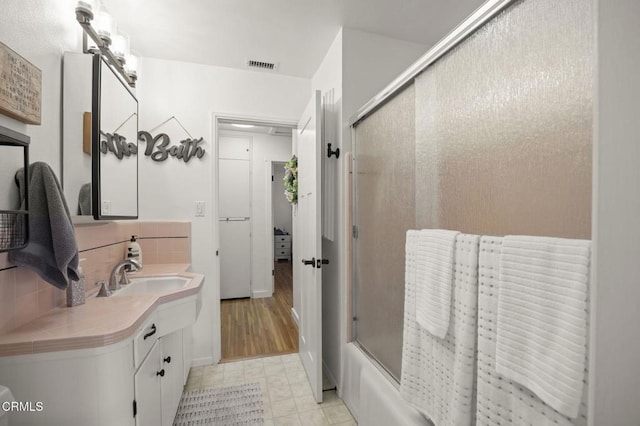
x: 287, y: 396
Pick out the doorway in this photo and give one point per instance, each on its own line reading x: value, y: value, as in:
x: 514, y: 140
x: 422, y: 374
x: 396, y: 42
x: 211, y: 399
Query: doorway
x: 256, y: 289
x: 281, y: 217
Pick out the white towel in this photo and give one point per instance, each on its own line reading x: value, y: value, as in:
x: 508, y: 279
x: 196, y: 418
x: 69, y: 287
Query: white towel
x: 438, y: 374
x: 541, y: 328
x: 434, y: 249
x: 501, y: 401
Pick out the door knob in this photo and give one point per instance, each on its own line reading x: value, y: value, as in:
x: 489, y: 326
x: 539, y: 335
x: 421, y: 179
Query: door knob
x: 311, y: 262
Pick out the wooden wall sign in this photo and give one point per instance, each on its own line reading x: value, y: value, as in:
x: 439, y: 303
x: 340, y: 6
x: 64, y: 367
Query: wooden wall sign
x: 20, y: 87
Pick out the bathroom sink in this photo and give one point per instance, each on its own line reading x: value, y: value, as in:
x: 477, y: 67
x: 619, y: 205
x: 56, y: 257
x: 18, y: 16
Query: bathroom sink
x: 153, y: 285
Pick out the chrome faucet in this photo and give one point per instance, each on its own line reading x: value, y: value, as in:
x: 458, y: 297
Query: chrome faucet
x: 119, y: 276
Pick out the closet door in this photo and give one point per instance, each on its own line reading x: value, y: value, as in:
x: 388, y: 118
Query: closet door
x: 235, y: 216
x: 235, y: 259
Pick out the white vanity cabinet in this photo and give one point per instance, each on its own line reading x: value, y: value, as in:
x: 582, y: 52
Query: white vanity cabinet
x: 147, y: 389
x: 159, y: 382
x: 159, y: 357
x: 136, y: 381
x: 172, y: 383
x: 80, y: 387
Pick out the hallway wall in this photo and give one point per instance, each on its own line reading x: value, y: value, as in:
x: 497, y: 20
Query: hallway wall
x: 281, y: 207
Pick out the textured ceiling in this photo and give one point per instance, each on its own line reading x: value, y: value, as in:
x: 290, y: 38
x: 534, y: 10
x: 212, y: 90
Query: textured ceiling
x: 294, y: 33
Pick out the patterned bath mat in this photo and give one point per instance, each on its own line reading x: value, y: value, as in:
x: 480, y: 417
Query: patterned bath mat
x: 228, y: 406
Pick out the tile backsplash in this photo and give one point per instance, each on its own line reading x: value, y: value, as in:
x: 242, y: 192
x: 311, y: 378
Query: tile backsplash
x: 24, y: 296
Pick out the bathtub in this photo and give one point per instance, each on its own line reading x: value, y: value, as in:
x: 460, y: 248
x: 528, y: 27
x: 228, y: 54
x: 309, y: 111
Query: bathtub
x: 371, y: 396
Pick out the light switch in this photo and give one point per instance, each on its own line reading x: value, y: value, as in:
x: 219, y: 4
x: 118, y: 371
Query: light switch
x: 199, y: 208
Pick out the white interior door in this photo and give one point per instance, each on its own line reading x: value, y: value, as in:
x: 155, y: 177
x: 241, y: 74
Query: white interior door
x: 235, y: 258
x: 235, y: 187
x: 309, y: 237
x: 234, y: 216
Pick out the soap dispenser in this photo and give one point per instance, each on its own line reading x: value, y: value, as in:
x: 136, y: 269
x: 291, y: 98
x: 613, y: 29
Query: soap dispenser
x: 133, y: 251
x: 76, y: 290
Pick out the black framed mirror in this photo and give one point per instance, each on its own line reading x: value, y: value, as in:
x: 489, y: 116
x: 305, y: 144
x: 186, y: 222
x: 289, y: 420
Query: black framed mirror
x: 114, y: 145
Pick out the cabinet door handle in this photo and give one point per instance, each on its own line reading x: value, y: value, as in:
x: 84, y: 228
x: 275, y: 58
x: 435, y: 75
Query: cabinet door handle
x: 151, y: 333
x: 167, y: 360
x: 160, y: 373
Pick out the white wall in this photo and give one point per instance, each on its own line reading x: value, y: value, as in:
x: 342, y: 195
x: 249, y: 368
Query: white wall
x: 40, y: 31
x: 281, y: 207
x: 615, y: 336
x: 168, y: 190
x: 77, y: 94
x: 371, y: 62
x: 357, y: 66
x: 265, y: 148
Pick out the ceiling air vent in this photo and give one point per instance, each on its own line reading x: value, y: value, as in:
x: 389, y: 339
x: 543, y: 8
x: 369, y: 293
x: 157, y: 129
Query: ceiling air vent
x: 262, y: 65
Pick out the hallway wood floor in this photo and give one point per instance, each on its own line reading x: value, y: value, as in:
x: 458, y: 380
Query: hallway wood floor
x: 261, y: 327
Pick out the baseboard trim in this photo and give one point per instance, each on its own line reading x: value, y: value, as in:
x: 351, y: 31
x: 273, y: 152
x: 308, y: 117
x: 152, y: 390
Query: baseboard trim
x: 261, y: 293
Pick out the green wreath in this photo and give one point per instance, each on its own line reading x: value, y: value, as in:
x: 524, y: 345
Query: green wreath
x: 291, y: 180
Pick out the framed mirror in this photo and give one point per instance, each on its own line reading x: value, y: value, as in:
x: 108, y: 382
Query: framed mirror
x: 114, y: 146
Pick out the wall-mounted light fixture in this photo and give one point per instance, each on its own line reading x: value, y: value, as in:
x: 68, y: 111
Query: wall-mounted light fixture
x: 100, y: 36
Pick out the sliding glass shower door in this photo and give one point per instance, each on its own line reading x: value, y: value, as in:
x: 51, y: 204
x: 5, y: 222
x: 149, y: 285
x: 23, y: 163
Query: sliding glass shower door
x: 494, y: 138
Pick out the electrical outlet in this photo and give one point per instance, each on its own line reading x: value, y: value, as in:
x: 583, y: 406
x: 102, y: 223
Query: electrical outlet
x: 199, y: 208
x: 106, y: 207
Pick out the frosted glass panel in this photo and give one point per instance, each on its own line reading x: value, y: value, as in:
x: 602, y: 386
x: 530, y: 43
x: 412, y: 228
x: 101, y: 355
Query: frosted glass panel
x: 385, y: 150
x: 500, y: 144
x: 503, y: 126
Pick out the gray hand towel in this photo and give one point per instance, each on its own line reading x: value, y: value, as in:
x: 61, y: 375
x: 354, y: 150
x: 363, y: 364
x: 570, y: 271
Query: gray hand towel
x: 84, y: 199
x: 52, y: 251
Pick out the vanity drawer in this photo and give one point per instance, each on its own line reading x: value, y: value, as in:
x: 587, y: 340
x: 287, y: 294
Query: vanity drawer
x: 282, y: 238
x: 282, y: 246
x: 144, y: 340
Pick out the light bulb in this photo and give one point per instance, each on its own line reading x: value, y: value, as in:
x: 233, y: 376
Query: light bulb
x: 104, y: 26
x: 119, y: 47
x: 131, y: 66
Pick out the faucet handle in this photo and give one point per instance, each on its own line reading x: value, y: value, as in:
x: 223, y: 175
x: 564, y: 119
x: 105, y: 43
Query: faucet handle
x: 104, y: 288
x: 124, y: 278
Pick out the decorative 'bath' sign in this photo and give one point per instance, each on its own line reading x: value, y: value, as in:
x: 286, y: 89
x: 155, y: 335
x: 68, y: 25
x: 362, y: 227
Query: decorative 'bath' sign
x: 118, y: 145
x: 185, y: 150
